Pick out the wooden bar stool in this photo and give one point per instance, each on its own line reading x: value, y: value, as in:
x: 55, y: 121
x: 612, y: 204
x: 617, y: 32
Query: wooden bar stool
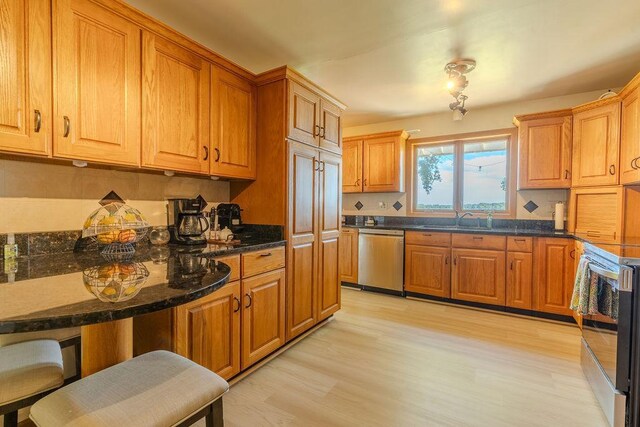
x: 28, y: 371
x: 156, y: 389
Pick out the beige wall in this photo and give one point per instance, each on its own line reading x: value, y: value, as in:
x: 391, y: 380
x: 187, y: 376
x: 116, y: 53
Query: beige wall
x: 47, y: 197
x: 481, y: 119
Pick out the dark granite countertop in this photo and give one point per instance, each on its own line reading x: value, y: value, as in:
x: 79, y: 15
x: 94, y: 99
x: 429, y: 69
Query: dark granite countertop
x: 79, y: 288
x: 470, y: 230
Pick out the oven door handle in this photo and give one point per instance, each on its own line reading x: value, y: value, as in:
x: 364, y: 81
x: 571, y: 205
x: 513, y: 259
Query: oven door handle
x: 603, y: 272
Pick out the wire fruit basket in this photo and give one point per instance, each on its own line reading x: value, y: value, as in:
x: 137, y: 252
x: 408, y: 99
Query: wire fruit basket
x: 116, y: 227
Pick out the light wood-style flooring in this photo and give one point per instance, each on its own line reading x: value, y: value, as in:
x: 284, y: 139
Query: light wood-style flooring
x: 388, y: 361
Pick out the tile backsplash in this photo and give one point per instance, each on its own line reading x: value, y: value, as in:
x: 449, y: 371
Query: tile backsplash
x: 382, y: 204
x: 48, y: 197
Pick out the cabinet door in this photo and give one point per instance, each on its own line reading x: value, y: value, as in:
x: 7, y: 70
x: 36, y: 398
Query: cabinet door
x: 596, y: 137
x: 427, y: 270
x: 630, y: 138
x: 597, y: 212
x: 381, y: 165
x: 553, y: 275
x: 349, y: 255
x: 478, y: 276
x: 545, y: 153
x: 352, y: 167
x: 175, y: 107
x: 233, y: 125
x: 25, y: 76
x: 519, y: 279
x: 304, y: 107
x: 263, y: 314
x: 330, y: 126
x: 302, y: 256
x: 208, y: 330
x: 97, y: 84
x: 329, y: 201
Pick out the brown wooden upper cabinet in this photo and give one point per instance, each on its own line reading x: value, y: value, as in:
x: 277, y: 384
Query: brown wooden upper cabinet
x: 630, y: 134
x: 233, y: 125
x: 97, y: 84
x: 25, y: 86
x: 175, y: 107
x: 596, y: 141
x: 381, y: 168
x: 597, y: 212
x: 553, y: 275
x: 544, y: 150
x: 313, y: 119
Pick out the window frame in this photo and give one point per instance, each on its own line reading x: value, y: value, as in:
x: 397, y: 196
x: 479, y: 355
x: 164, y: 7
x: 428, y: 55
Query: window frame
x: 458, y: 140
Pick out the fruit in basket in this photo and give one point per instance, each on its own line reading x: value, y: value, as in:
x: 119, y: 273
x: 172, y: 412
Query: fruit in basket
x: 127, y: 236
x: 105, y: 272
x: 108, y: 221
x: 108, y: 237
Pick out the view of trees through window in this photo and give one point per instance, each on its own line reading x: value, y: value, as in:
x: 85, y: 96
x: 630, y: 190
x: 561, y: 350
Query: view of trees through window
x: 481, y: 167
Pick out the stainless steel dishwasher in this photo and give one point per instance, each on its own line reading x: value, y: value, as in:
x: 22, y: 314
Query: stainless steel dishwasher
x: 381, y: 260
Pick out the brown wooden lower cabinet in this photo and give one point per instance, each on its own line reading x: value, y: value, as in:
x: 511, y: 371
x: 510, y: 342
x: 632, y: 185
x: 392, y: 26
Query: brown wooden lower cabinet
x: 349, y: 255
x: 553, y: 275
x: 208, y: 330
x: 428, y: 270
x: 519, y: 280
x: 328, y: 278
x: 263, y: 312
x: 478, y: 275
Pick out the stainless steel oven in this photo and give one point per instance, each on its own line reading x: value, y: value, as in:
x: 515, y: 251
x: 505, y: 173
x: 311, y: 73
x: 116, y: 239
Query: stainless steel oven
x: 608, y: 336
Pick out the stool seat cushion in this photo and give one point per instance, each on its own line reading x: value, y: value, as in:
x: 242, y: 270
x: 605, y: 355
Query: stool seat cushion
x: 29, y: 368
x: 156, y: 389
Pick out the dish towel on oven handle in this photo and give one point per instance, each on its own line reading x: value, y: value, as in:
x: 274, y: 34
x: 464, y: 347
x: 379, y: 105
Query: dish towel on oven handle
x: 584, y: 299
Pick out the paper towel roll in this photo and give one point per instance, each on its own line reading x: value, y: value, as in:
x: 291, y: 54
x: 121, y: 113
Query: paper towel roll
x: 559, y: 216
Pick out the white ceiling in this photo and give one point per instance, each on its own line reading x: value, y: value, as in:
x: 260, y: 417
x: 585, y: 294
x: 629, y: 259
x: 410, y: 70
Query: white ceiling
x: 385, y: 58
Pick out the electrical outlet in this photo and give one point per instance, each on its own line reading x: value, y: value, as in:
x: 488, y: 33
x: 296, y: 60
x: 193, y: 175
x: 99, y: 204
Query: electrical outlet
x: 382, y: 205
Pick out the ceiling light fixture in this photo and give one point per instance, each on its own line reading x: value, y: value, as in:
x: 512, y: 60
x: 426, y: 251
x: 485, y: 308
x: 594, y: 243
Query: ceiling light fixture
x: 456, y: 83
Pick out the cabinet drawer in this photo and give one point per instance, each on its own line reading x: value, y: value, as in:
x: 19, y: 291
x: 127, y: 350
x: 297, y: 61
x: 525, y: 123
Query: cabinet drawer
x: 233, y: 261
x: 427, y: 238
x: 261, y: 261
x: 479, y: 241
x: 519, y: 244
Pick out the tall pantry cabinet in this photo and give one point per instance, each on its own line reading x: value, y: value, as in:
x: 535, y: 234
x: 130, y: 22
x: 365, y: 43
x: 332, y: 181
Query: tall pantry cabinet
x: 298, y: 185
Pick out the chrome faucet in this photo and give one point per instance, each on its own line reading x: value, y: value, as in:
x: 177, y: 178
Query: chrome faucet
x: 459, y: 217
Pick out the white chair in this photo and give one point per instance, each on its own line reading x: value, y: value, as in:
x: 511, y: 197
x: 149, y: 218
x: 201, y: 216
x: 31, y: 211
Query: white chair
x: 155, y: 389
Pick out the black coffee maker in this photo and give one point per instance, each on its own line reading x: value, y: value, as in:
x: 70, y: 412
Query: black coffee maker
x: 187, y: 222
x: 229, y: 216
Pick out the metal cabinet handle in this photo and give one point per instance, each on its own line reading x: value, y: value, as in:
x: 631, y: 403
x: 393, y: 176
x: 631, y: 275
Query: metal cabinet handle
x: 446, y: 260
x: 316, y: 127
x: 634, y: 163
x: 519, y: 240
x: 316, y: 162
x: 206, y: 153
x: 427, y: 234
x: 612, y: 170
x: 266, y: 254
x: 358, y: 182
x: 566, y: 174
x: 323, y: 166
x: 572, y: 254
x: 511, y: 266
x: 455, y: 260
x: 217, y: 154
x: 477, y: 237
x: 67, y: 126
x: 593, y: 233
x: 248, y: 296
x: 324, y: 133
x: 237, y: 301
x: 364, y: 182
x: 37, y: 120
